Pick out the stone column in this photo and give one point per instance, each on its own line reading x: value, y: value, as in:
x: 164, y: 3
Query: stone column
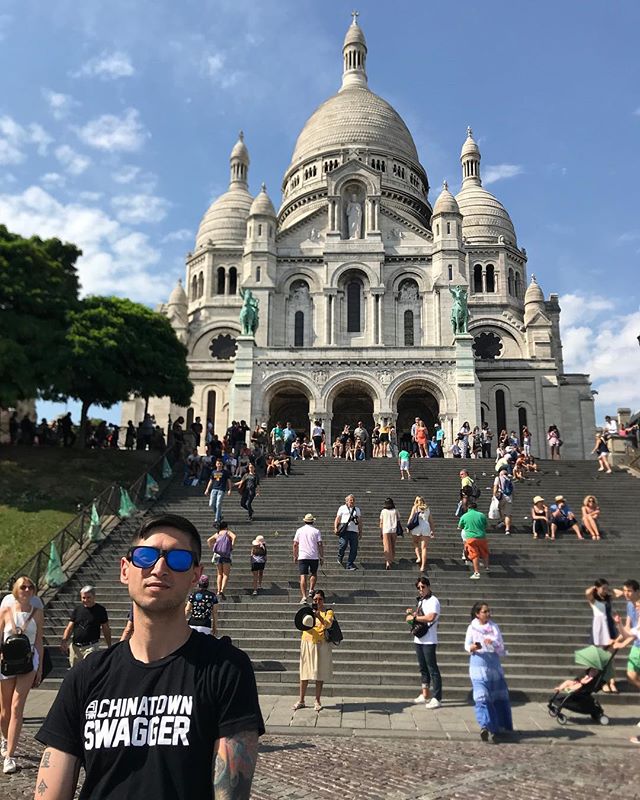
x: 240, y: 406
x: 436, y: 316
x: 467, y: 385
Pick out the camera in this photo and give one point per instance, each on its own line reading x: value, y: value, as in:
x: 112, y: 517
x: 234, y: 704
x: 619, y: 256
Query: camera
x: 314, y: 606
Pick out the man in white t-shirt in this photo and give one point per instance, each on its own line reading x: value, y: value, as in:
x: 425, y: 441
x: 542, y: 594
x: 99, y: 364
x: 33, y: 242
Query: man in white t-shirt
x: 427, y: 611
x: 309, y: 553
x: 348, y: 526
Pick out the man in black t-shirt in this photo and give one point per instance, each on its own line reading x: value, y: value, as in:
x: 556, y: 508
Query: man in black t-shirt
x: 82, y: 634
x: 148, y: 717
x: 219, y: 483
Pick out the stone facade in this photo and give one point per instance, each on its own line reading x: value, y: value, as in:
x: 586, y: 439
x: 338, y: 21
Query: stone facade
x: 352, y: 276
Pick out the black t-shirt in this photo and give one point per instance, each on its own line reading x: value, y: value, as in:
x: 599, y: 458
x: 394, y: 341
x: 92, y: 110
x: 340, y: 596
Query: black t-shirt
x: 202, y: 603
x: 220, y: 479
x: 148, y: 730
x: 87, y: 622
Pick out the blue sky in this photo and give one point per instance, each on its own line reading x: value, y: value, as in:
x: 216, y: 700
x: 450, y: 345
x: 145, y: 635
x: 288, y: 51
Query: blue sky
x: 116, y: 121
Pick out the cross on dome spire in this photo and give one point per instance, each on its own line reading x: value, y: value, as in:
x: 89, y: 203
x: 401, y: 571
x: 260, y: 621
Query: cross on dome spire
x: 355, y: 15
x: 354, y: 55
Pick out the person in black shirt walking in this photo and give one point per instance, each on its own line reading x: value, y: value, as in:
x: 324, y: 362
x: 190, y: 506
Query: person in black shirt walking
x: 149, y: 717
x: 86, y: 621
x: 248, y: 488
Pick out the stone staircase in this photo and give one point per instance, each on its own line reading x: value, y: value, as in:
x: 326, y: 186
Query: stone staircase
x: 535, y: 588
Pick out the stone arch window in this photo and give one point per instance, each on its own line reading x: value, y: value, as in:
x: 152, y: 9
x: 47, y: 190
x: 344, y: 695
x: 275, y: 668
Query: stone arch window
x: 437, y: 229
x: 510, y: 281
x: 259, y: 230
x: 223, y: 347
x: 477, y: 278
x: 194, y: 287
x: 354, y: 316
x: 450, y: 272
x: 409, y: 335
x: 517, y: 285
x: 501, y: 412
x: 211, y: 406
x: 448, y: 227
x: 233, y: 281
x: 200, y: 284
x: 220, y: 280
x: 490, y: 278
x: 298, y: 329
x: 522, y: 419
x: 258, y: 275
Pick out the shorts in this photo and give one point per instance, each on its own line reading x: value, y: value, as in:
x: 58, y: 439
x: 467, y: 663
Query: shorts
x: 384, y: 437
x: 633, y: 662
x: 505, y: 504
x: 477, y: 548
x: 540, y: 527
x: 404, y: 464
x: 36, y: 662
x: 257, y: 567
x: 217, y: 559
x: 308, y: 566
x: 564, y: 524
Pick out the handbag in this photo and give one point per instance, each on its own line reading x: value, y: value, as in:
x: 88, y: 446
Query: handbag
x: 333, y: 635
x: 419, y: 629
x: 16, y: 651
x: 399, y: 529
x: 414, y: 521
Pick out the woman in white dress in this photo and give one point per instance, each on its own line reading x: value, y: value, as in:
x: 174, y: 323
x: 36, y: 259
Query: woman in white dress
x: 20, y: 617
x: 423, y: 531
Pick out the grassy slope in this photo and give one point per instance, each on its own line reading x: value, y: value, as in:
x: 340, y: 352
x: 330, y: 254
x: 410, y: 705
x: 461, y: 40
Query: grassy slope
x: 40, y: 490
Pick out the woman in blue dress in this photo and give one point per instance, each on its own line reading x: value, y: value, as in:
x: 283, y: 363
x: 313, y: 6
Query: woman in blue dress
x: 490, y: 692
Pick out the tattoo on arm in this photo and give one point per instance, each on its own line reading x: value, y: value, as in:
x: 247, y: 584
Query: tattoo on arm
x: 46, y: 758
x: 235, y: 764
x: 42, y: 788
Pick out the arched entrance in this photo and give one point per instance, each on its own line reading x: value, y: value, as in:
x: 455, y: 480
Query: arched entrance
x: 351, y: 405
x: 290, y: 404
x: 415, y: 402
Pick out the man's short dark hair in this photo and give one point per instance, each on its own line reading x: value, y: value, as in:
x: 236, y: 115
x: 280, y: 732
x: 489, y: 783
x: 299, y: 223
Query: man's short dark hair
x: 423, y: 580
x: 182, y: 524
x: 632, y: 584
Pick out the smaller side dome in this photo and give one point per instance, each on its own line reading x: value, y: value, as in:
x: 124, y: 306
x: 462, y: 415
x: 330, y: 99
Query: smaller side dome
x: 446, y: 202
x: 262, y: 204
x: 534, y: 293
x: 178, y: 296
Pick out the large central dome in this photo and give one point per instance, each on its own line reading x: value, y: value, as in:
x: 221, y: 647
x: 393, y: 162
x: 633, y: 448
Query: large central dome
x: 355, y: 117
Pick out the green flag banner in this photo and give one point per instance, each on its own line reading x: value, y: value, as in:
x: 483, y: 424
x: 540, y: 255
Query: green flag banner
x: 152, y: 489
x: 55, y: 575
x: 95, y: 528
x: 127, y: 506
x: 166, y: 469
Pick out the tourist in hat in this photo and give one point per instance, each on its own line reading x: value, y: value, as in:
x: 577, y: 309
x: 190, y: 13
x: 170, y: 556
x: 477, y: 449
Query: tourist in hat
x: 201, y: 609
x: 258, y: 562
x: 316, y: 656
x: 563, y: 518
x: 308, y: 552
x: 540, y: 517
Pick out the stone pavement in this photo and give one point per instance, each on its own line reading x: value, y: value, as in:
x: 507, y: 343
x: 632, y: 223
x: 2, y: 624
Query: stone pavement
x: 397, y: 751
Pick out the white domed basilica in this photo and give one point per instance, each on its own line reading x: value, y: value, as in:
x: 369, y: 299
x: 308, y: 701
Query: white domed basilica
x: 353, y: 277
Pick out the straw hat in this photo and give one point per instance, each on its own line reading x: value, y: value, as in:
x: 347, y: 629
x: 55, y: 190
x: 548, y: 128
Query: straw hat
x: 305, y: 619
x: 559, y: 497
x: 308, y: 518
x: 538, y: 499
x: 258, y: 540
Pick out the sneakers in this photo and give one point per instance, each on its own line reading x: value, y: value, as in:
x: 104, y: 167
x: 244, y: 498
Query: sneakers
x: 474, y: 576
x: 3, y: 747
x: 340, y: 561
x: 9, y: 766
x: 484, y: 734
x: 433, y: 703
x: 419, y: 699
x: 507, y: 532
x: 351, y: 568
x: 254, y: 592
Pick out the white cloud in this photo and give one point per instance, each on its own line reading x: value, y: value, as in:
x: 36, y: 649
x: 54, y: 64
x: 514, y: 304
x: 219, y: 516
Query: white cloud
x: 72, y: 161
x: 112, y: 133
x: 215, y: 67
x: 59, y: 104
x: 114, y: 261
x: 181, y: 235
x: 136, y: 208
x: 107, y: 66
x: 126, y: 174
x: 53, y: 179
x: 90, y: 197
x: 497, y: 172
x: 628, y: 237
x: 604, y: 349
x: 14, y: 138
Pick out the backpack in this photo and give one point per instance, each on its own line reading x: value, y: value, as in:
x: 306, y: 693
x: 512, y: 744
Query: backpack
x: 475, y: 491
x: 507, y: 487
x: 222, y: 546
x: 17, y: 655
x: 334, y: 634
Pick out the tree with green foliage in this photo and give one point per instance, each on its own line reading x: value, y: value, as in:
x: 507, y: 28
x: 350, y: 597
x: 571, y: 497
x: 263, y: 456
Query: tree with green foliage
x: 38, y: 289
x: 116, y: 348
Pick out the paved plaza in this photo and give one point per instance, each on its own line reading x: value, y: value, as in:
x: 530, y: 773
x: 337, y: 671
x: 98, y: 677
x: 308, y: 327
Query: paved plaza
x: 374, y: 750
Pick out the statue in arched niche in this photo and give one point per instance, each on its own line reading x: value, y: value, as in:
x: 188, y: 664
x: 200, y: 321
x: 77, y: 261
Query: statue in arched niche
x: 354, y: 216
x: 408, y: 291
x: 300, y: 293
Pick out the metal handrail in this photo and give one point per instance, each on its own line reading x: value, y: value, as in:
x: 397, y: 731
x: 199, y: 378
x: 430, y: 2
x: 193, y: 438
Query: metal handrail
x: 75, y: 535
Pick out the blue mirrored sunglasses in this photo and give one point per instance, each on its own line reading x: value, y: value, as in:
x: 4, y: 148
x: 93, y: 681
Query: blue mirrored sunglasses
x: 145, y: 557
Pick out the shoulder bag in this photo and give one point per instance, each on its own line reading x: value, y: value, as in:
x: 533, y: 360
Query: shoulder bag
x: 419, y: 629
x: 344, y: 527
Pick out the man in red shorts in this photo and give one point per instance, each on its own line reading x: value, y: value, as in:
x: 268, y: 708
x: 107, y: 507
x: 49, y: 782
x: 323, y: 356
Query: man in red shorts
x: 473, y: 524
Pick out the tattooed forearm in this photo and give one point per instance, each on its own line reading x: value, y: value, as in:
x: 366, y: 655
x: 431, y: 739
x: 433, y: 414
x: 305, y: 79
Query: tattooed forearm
x: 234, y: 766
x: 46, y: 759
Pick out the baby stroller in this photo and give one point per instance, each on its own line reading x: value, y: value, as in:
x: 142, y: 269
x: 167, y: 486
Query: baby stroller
x: 578, y: 695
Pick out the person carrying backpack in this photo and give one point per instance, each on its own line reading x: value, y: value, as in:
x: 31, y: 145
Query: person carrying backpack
x: 503, y: 493
x: 21, y: 656
x: 222, y: 544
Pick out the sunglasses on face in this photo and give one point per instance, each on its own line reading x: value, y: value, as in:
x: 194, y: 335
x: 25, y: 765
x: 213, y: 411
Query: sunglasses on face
x: 145, y: 557
x: 26, y: 587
